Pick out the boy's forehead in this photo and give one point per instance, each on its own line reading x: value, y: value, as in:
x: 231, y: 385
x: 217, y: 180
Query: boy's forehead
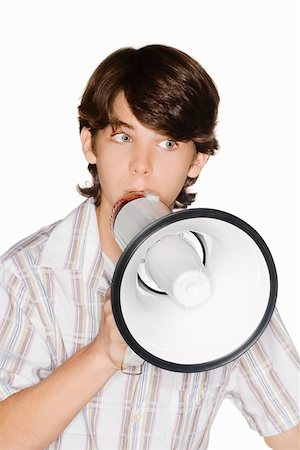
x: 123, y: 116
x: 122, y: 111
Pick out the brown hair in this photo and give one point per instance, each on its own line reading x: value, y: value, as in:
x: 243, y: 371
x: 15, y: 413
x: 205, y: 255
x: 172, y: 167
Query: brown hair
x: 165, y: 89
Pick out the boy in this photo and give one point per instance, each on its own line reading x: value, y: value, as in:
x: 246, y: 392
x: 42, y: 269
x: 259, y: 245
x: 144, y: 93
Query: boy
x: 147, y: 120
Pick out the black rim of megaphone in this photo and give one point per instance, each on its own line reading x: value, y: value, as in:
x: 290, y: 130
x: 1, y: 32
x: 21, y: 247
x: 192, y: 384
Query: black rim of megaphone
x: 140, y: 238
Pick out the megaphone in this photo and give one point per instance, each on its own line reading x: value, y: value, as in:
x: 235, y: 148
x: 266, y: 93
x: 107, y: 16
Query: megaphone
x: 193, y: 289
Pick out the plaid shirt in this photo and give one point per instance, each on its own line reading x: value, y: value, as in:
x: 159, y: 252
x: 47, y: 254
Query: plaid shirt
x: 52, y: 288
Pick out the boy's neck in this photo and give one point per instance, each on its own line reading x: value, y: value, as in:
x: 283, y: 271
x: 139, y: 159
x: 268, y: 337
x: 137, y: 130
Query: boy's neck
x: 108, y: 243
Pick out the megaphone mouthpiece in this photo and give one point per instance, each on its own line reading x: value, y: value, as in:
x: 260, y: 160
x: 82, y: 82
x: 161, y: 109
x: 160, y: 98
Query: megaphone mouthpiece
x: 133, y: 212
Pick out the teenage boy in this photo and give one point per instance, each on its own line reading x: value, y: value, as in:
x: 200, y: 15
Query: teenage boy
x: 147, y: 120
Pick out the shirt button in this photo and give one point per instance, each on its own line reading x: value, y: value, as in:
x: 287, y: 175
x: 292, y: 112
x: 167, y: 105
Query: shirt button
x: 137, y: 416
x: 200, y: 395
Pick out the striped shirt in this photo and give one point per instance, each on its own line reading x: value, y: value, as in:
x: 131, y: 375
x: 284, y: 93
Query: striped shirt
x: 52, y: 288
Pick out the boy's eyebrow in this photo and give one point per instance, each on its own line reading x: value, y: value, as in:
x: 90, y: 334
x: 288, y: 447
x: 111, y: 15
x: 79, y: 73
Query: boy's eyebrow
x: 115, y: 123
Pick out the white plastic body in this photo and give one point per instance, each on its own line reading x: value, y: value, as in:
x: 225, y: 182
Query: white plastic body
x: 187, y: 326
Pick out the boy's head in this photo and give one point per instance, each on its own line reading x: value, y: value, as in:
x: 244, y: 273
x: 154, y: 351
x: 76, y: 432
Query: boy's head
x: 166, y: 90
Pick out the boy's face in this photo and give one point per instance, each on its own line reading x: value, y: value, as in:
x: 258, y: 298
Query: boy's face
x: 136, y: 158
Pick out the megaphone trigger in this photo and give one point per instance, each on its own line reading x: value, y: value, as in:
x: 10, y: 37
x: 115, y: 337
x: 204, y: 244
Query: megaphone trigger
x: 131, y: 359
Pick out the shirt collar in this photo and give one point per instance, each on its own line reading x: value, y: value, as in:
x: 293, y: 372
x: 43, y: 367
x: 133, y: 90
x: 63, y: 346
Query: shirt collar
x: 74, y: 242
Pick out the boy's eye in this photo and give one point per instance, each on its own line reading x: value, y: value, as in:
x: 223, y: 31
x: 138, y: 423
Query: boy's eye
x: 121, y: 137
x: 169, y: 144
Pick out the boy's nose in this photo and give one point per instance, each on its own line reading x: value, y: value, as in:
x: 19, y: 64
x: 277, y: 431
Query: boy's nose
x: 138, y: 170
x: 141, y: 164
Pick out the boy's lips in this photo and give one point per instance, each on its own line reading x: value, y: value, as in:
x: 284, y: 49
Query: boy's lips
x: 140, y: 191
x: 129, y: 191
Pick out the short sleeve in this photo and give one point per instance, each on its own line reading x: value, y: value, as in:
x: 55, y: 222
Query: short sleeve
x: 265, y: 383
x: 24, y: 355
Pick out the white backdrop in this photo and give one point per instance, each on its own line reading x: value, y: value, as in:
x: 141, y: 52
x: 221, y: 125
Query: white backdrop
x: 49, y: 50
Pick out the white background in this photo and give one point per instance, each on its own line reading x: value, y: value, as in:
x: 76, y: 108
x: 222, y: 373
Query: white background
x: 49, y: 50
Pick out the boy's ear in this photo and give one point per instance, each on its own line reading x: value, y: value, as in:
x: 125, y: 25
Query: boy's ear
x: 86, y: 143
x: 197, y: 165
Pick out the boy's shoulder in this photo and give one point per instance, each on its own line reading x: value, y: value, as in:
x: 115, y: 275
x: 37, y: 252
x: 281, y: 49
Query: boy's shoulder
x: 31, y: 245
x: 56, y: 245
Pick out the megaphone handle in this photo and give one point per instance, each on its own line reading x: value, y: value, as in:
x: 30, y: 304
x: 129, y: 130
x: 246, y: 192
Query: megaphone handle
x: 131, y: 359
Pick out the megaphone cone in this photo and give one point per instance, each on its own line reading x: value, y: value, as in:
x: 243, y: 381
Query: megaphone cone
x: 193, y: 289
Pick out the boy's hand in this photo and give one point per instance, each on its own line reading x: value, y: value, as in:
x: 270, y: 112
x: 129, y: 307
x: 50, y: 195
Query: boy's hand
x: 109, y: 343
